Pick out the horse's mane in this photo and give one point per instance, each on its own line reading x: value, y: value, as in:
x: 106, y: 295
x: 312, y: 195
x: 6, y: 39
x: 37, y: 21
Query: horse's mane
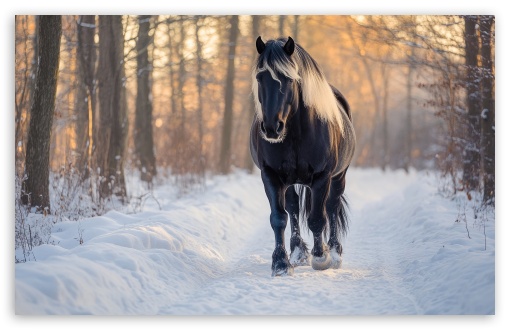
x: 301, y: 67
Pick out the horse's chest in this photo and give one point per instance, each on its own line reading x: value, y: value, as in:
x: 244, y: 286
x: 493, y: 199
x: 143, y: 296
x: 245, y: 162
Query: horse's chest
x: 294, y: 167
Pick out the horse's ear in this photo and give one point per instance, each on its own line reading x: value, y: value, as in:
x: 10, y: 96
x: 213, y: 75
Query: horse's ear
x: 289, y: 46
x: 260, y: 45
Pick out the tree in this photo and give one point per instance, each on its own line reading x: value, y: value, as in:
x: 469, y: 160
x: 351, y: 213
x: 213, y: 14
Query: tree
x: 36, y: 184
x: 386, y: 86
x: 488, y: 109
x: 182, y: 73
x: 112, y: 120
x: 171, y: 70
x: 255, y: 30
x: 471, y: 154
x: 409, y: 113
x: 144, y: 144
x: 281, y: 25
x: 295, y: 28
x: 26, y: 69
x: 200, y: 83
x: 86, y: 98
x: 225, y: 153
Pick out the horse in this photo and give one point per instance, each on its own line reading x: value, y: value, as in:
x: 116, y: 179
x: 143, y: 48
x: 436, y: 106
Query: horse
x: 302, y: 139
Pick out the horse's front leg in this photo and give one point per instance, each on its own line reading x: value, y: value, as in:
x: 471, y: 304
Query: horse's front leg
x: 299, y: 255
x: 275, y: 191
x: 317, y: 221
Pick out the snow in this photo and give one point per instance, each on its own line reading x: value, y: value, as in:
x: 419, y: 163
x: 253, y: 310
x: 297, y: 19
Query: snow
x: 209, y: 253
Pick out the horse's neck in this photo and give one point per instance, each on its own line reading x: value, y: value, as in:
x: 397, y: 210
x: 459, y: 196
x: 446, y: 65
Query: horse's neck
x: 302, y: 119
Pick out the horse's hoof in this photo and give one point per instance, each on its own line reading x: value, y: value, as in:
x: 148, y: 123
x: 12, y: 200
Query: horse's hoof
x: 336, y: 254
x: 281, y: 265
x: 336, y: 260
x: 283, y: 271
x: 322, y: 263
x: 298, y: 257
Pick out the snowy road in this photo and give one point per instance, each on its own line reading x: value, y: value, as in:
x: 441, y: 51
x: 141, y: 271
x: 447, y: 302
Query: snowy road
x: 367, y: 284
x: 211, y: 254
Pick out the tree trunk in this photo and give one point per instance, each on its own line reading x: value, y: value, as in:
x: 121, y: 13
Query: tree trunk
x: 281, y: 25
x: 225, y: 153
x: 409, y: 114
x: 295, y: 30
x: 112, y: 121
x: 182, y: 74
x: 386, y: 86
x: 200, y: 83
x: 488, y: 112
x: 248, y: 162
x: 25, y: 82
x: 86, y: 95
x: 36, y: 185
x: 471, y: 155
x: 171, y: 71
x: 144, y: 144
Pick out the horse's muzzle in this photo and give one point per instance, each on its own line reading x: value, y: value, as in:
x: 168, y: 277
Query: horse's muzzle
x: 272, y: 131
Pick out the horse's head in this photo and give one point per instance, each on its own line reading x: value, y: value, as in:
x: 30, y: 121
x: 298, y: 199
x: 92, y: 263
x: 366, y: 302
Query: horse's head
x: 275, y: 87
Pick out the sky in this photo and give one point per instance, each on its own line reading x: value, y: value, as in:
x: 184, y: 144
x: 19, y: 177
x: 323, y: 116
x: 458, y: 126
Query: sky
x: 255, y: 7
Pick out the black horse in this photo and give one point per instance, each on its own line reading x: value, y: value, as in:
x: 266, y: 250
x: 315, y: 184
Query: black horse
x: 303, y: 140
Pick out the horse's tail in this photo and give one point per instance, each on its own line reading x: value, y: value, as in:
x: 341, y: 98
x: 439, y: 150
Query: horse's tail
x: 342, y: 219
x: 305, y: 205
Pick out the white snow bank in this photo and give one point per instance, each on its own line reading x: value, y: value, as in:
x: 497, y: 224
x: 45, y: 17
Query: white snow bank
x: 210, y: 253
x: 133, y: 264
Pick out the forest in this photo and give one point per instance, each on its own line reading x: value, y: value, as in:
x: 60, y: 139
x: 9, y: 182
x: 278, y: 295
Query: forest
x: 99, y: 98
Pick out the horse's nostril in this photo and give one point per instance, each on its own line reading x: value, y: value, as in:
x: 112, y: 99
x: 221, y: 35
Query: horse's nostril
x: 279, y: 127
x: 262, y: 127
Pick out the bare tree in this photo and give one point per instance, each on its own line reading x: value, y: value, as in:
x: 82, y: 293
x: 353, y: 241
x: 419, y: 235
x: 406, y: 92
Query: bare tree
x: 488, y: 111
x: 86, y: 94
x: 200, y: 84
x: 386, y: 87
x: 295, y: 28
x: 471, y: 155
x: 144, y: 144
x: 255, y: 32
x: 408, y: 160
x: 36, y: 184
x: 112, y: 122
x: 281, y: 25
x: 26, y: 70
x: 182, y: 72
x: 225, y: 153
x: 171, y: 70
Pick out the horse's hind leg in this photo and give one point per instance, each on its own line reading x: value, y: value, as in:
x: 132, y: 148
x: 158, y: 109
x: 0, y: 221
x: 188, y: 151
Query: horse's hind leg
x: 299, y: 255
x: 337, y: 218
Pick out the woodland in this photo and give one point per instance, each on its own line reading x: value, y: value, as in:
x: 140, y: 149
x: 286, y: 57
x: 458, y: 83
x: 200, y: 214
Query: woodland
x: 100, y: 97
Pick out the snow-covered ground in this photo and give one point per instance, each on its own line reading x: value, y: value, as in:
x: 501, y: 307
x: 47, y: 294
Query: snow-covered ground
x: 209, y: 253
